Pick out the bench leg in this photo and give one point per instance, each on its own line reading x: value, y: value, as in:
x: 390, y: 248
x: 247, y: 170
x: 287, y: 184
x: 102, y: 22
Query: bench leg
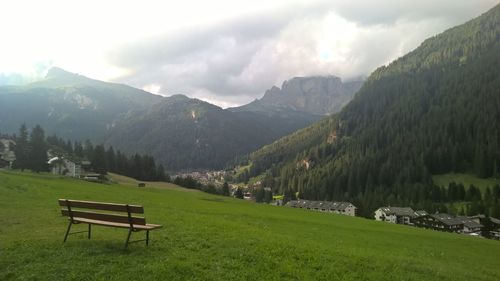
x: 67, y: 231
x: 89, y: 231
x: 128, y: 238
x: 147, y: 237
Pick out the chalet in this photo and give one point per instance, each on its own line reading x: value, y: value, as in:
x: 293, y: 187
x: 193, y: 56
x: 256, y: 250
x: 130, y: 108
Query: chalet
x: 7, y: 155
x: 344, y: 208
x: 441, y: 222
x: 494, y: 232
x: 399, y: 215
x: 470, y: 225
x: 65, y: 167
x: 491, y: 227
x: 478, y: 218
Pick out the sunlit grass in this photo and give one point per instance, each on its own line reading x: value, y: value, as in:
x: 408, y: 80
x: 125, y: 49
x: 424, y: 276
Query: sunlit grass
x: 208, y: 237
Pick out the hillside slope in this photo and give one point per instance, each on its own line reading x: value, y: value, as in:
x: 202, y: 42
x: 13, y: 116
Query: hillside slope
x: 432, y: 111
x: 207, y: 237
x: 71, y: 105
x: 184, y: 133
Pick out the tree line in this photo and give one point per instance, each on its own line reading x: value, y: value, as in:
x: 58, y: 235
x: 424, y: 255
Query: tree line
x: 192, y: 183
x: 31, y: 153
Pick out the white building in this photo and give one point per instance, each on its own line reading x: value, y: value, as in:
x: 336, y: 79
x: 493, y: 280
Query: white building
x: 343, y: 208
x: 400, y: 215
x: 7, y: 155
x: 65, y: 167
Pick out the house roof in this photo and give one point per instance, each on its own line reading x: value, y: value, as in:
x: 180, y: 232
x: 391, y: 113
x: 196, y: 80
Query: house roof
x: 447, y: 219
x: 399, y: 211
x: 494, y: 220
x: 326, y: 205
x: 7, y: 142
x: 342, y: 205
x: 468, y: 222
x: 420, y: 213
x: 59, y: 155
x: 477, y: 217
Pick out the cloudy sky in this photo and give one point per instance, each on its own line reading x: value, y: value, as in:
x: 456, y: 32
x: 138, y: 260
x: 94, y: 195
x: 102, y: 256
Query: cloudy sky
x: 227, y: 52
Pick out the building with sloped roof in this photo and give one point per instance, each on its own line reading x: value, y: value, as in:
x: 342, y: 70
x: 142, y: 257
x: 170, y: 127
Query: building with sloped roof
x: 344, y: 208
x: 64, y: 166
x: 7, y: 155
x: 470, y: 225
x: 399, y: 215
x: 494, y: 226
x: 420, y: 213
x: 442, y: 222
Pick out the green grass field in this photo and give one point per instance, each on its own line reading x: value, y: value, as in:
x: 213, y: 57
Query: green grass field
x: 207, y: 237
x: 465, y: 179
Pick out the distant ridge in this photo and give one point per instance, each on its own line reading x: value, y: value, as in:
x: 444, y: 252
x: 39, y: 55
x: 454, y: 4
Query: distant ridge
x: 318, y: 95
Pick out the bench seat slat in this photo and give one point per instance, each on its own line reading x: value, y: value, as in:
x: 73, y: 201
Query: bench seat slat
x: 104, y: 217
x: 116, y: 224
x: 102, y: 206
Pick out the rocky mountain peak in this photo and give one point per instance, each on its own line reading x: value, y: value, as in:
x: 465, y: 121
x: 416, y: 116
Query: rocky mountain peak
x: 315, y: 94
x: 56, y: 72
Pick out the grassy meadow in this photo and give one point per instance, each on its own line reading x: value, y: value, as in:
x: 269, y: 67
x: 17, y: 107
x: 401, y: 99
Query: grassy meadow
x: 466, y: 180
x: 208, y: 237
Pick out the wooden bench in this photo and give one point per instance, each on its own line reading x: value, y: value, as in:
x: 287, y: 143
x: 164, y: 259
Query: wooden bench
x: 115, y: 215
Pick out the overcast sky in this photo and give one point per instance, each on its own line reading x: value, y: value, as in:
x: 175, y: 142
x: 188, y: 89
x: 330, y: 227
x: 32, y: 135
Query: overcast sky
x: 226, y: 52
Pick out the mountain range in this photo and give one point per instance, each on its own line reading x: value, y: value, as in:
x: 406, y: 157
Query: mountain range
x: 322, y: 95
x: 71, y: 105
x: 182, y: 133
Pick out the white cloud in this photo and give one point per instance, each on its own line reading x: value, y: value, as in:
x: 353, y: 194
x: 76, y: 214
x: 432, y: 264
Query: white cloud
x: 224, y: 51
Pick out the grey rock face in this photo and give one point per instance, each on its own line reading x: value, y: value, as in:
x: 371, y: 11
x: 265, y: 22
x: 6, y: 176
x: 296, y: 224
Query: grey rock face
x: 318, y: 95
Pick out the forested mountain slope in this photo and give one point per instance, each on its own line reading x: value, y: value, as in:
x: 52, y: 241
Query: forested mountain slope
x: 434, y: 110
x: 71, y: 105
x: 184, y: 133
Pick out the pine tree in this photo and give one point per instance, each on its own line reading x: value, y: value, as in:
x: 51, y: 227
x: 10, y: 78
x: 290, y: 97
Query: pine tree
x: 462, y: 211
x: 111, y: 159
x: 22, y: 149
x: 38, y: 150
x: 161, y: 175
x: 69, y: 147
x: 88, y: 150
x: 99, y: 159
x: 268, y: 196
x: 78, y: 149
x: 225, y: 189
x: 259, y: 195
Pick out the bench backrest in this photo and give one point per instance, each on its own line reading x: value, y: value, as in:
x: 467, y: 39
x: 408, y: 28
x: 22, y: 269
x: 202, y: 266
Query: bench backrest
x: 79, y: 209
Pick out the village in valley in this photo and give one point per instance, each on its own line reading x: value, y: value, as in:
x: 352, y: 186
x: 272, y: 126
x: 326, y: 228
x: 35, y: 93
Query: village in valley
x: 478, y: 225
